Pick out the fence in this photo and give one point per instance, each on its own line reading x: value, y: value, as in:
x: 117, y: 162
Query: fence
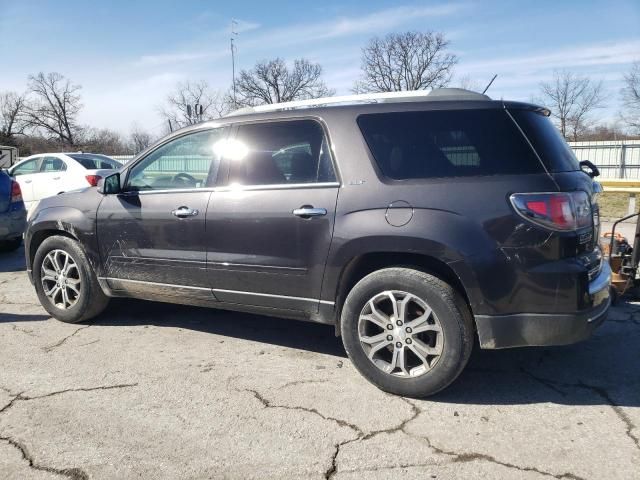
x: 614, y: 159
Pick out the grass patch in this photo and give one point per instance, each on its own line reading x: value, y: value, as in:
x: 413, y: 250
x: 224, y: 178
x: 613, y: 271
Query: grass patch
x: 614, y: 204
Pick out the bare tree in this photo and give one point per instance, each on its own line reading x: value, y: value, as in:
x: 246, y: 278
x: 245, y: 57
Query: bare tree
x: 631, y: 98
x: 12, y: 123
x: 406, y: 61
x: 273, y: 81
x: 54, y: 106
x: 103, y: 140
x: 139, y: 139
x: 180, y: 104
x: 468, y: 83
x: 572, y: 99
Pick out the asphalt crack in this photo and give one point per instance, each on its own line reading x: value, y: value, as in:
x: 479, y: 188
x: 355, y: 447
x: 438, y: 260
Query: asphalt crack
x: 61, y: 342
x: 16, y: 328
x: 463, y: 457
x: 268, y: 404
x: 601, y: 392
x: 73, y: 473
x: 361, y: 435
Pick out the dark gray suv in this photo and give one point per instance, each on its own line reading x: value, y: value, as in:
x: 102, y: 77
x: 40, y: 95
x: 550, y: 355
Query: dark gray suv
x: 411, y: 222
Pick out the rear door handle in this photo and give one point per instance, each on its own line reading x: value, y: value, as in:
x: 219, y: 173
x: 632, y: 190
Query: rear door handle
x: 56, y: 178
x: 184, y: 212
x: 307, y: 211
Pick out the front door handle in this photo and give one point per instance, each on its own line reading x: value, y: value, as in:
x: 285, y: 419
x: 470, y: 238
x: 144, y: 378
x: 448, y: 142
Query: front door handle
x: 307, y: 211
x: 184, y: 212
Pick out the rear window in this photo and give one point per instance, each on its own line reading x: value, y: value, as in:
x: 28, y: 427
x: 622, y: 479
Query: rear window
x: 411, y: 145
x: 547, y: 140
x: 95, y: 162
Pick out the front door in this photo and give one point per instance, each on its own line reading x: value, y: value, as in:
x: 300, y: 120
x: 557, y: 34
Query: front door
x: 25, y: 174
x: 152, y: 235
x: 269, y: 229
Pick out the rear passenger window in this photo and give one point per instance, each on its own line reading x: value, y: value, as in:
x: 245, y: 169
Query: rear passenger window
x: 52, y: 164
x: 410, y: 145
x: 291, y: 152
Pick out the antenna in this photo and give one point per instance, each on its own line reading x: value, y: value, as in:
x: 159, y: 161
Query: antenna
x: 487, y: 87
x: 234, y: 34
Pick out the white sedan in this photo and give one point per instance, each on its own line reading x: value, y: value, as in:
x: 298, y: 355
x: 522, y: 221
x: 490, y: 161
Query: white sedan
x: 48, y: 174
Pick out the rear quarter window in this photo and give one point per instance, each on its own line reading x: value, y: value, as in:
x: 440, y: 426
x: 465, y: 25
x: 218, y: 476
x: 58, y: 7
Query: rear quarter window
x: 547, y: 140
x: 458, y: 143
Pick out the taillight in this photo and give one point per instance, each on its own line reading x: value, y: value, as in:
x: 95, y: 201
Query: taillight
x: 93, y: 179
x: 557, y: 211
x: 16, y: 193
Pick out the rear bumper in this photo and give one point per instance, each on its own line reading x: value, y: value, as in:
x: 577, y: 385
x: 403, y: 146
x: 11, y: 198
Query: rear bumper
x: 12, y: 224
x: 535, y: 329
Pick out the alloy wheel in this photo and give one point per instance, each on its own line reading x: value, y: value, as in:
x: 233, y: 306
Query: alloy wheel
x: 60, y: 279
x: 400, y: 334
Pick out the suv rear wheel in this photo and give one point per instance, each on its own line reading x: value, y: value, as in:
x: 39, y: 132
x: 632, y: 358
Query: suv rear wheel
x: 406, y: 331
x: 65, y: 283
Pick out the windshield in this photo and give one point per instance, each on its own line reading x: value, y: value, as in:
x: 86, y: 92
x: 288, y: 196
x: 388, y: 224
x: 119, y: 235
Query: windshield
x: 547, y: 141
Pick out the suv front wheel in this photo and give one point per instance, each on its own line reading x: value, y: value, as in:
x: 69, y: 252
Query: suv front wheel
x: 65, y: 283
x: 406, y: 331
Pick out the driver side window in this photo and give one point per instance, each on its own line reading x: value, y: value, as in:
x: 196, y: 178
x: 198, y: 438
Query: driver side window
x: 185, y: 162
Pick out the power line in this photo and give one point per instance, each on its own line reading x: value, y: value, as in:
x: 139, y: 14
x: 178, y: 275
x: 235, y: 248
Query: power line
x: 233, y: 60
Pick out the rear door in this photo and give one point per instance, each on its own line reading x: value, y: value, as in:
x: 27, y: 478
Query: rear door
x: 269, y: 230
x: 52, y: 179
x: 152, y: 235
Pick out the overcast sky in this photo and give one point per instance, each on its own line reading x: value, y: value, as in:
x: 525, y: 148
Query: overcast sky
x: 127, y: 55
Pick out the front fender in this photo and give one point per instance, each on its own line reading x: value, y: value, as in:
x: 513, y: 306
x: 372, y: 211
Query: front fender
x: 66, y: 220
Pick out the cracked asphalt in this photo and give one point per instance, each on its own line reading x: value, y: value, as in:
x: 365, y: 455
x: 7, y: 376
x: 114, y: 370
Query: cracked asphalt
x: 164, y: 391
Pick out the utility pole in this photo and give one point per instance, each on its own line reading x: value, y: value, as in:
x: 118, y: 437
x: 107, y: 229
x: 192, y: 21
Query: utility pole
x: 233, y: 60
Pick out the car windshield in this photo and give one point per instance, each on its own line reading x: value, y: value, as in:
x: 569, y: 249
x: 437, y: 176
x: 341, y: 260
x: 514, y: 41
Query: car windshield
x: 95, y: 162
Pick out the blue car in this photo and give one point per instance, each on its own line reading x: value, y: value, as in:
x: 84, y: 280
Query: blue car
x: 13, y: 215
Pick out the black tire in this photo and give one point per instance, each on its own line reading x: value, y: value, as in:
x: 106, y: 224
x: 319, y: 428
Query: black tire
x: 10, y: 245
x: 448, y: 306
x: 91, y: 300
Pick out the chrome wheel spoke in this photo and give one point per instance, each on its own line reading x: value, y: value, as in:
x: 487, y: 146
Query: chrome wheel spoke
x: 375, y: 338
x: 399, y: 361
x: 426, y: 349
x: 377, y: 347
x: 394, y: 304
x: 48, y: 274
x: 420, y: 356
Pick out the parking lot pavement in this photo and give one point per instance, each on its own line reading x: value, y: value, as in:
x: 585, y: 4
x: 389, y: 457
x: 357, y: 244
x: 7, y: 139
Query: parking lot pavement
x: 163, y: 391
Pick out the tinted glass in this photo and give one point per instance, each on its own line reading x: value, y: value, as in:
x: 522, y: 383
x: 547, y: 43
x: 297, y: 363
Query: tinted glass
x: 30, y: 166
x: 95, y: 162
x: 185, y: 162
x: 460, y: 143
x: 282, y: 152
x: 52, y: 164
x: 547, y: 140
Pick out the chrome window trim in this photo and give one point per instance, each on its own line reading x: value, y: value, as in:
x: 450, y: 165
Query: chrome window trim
x: 236, y: 188
x: 325, y: 302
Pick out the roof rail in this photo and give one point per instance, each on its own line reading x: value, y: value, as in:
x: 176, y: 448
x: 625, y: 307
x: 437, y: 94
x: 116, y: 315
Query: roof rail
x: 382, y: 97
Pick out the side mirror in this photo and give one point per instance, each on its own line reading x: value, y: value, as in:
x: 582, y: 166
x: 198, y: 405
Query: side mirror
x: 593, y: 170
x: 110, y: 184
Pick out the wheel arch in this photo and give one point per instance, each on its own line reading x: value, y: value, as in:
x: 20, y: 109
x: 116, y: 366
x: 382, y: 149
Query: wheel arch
x: 362, y: 265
